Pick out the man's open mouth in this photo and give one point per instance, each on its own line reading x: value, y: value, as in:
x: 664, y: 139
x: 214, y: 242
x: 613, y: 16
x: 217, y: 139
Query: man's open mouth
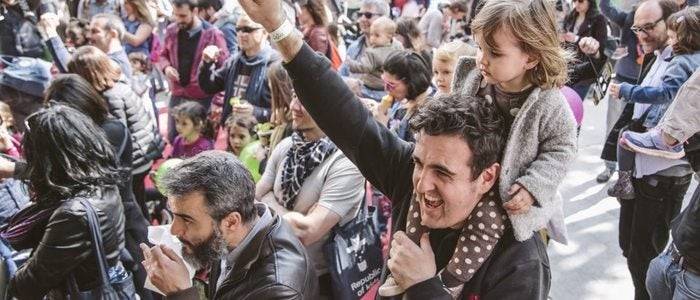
x: 432, y: 202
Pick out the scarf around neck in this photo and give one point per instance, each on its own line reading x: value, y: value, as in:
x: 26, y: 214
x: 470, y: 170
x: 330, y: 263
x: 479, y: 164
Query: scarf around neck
x: 301, y: 160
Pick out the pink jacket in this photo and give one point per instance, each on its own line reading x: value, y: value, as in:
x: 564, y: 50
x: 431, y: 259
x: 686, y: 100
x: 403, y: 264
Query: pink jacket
x: 210, y: 36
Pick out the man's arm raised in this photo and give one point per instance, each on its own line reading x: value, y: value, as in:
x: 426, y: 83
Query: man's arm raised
x: 383, y: 158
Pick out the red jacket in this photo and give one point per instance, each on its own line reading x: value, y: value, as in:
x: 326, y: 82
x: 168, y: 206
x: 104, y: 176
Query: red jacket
x: 210, y: 36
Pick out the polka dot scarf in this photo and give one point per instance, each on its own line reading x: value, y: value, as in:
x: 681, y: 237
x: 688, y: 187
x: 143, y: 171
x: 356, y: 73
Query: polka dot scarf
x: 481, y: 232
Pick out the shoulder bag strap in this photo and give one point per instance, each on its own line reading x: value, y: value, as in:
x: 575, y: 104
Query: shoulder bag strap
x: 96, y: 237
x: 124, y: 141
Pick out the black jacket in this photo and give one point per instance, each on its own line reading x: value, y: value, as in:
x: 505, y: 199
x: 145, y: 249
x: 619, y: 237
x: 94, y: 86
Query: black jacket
x: 685, y: 230
x: 518, y: 270
x: 594, y: 26
x: 66, y: 247
x: 126, y: 106
x: 274, y: 265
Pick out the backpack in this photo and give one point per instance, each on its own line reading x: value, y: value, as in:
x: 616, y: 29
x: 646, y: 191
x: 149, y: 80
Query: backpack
x: 27, y: 38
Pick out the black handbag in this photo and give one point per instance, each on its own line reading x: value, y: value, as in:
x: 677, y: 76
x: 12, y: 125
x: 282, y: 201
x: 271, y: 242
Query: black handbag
x: 120, y: 287
x: 354, y: 255
x: 602, y: 80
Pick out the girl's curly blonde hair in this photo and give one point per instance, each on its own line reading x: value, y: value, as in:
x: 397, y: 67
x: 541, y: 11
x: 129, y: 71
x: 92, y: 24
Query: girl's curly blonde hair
x: 533, y: 24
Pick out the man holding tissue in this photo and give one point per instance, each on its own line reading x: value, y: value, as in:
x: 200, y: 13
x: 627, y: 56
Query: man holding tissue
x: 250, y: 251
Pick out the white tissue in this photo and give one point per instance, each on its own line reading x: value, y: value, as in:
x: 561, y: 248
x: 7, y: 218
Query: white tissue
x: 160, y: 235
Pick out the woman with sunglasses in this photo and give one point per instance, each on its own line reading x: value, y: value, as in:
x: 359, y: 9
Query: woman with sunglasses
x: 584, y: 21
x: 69, y: 160
x: 406, y: 79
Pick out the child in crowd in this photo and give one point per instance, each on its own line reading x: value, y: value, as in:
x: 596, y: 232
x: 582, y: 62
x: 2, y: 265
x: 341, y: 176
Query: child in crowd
x: 241, y: 131
x: 195, y: 131
x: 9, y: 142
x: 370, y: 65
x: 684, y: 38
x: 520, y: 67
x: 681, y: 121
x: 243, y: 143
x: 444, y: 63
x: 143, y: 82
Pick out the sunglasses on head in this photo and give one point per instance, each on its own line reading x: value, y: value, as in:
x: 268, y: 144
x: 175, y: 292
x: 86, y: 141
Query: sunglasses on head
x: 247, y: 29
x: 367, y: 15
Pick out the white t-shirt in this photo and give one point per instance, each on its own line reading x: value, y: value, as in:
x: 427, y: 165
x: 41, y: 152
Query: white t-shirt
x: 336, y: 184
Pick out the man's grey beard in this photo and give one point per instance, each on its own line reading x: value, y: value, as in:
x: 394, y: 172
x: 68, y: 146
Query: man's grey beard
x: 207, y: 252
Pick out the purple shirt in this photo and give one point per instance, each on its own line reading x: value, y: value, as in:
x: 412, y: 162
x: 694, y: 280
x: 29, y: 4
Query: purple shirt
x: 183, y: 150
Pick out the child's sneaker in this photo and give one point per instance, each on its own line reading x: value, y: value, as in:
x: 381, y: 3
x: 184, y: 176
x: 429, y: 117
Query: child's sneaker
x: 651, y: 143
x: 623, y: 188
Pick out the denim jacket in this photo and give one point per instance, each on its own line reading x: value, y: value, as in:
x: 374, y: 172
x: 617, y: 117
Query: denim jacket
x: 678, y: 71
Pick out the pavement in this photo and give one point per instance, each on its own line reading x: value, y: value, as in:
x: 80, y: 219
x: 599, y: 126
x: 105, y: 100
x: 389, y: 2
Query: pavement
x: 591, y: 266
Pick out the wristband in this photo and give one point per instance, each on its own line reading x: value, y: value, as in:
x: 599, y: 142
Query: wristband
x: 282, y: 32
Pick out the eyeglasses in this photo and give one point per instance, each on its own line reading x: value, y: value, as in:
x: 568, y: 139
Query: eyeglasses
x: 580, y: 1
x: 366, y: 14
x: 646, y: 27
x: 247, y: 29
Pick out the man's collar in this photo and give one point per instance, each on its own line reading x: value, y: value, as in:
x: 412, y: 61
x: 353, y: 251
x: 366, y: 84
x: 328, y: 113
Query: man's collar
x: 664, y: 53
x: 262, y: 218
x: 196, y: 29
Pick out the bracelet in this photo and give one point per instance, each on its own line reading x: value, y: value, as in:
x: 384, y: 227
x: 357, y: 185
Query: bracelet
x: 282, y: 32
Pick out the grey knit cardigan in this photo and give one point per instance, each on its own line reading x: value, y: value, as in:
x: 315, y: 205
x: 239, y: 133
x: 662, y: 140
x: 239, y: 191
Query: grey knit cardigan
x: 540, y: 146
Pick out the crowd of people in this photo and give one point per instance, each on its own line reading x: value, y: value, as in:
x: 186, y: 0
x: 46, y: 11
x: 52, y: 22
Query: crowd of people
x: 338, y: 149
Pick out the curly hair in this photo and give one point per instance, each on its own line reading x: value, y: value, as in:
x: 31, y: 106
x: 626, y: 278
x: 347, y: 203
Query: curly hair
x: 317, y: 10
x: 686, y: 25
x: 533, y: 24
x: 473, y: 119
x: 66, y: 153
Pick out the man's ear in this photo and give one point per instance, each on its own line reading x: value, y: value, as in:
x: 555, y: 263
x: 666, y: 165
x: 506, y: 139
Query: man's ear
x: 232, y: 222
x: 488, y: 178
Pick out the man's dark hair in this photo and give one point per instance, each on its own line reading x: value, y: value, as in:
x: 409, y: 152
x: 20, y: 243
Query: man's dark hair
x: 224, y: 181
x: 192, y: 4
x: 66, y: 154
x: 412, y: 69
x: 76, y: 92
x: 473, y: 119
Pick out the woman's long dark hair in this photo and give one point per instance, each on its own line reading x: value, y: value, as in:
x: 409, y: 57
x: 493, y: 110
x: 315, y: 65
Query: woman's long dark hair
x: 76, y: 92
x: 66, y: 154
x: 571, y: 17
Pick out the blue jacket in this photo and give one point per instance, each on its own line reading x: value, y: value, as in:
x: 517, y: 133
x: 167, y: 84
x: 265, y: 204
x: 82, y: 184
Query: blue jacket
x: 354, y: 52
x: 678, y: 71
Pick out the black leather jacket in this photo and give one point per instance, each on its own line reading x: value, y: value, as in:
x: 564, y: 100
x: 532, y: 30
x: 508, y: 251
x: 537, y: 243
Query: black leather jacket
x: 65, y: 247
x: 274, y: 265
